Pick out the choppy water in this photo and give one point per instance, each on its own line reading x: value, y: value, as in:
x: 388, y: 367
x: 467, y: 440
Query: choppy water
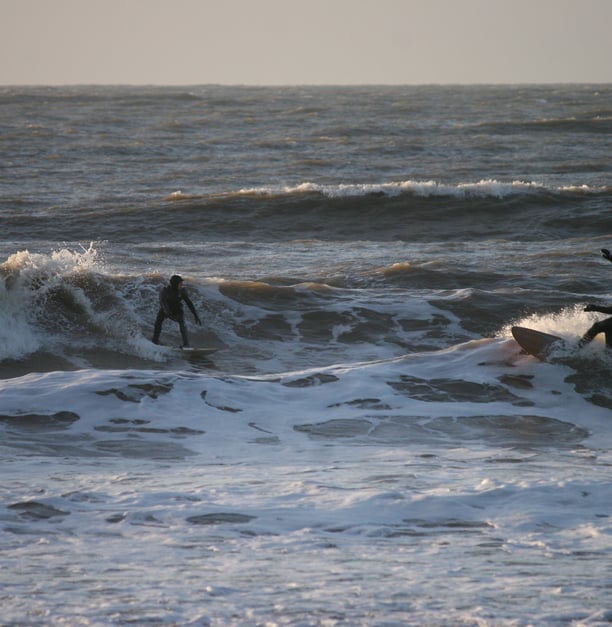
x: 368, y: 445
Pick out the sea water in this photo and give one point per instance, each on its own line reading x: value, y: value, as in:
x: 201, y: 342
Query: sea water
x: 369, y: 445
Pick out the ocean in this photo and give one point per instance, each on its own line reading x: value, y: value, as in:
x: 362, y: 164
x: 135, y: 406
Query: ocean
x: 368, y: 445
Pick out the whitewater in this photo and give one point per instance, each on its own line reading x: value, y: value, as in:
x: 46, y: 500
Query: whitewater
x: 368, y: 445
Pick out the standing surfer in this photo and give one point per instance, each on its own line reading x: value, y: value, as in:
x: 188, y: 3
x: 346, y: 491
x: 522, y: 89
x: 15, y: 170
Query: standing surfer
x: 603, y: 326
x: 171, y: 300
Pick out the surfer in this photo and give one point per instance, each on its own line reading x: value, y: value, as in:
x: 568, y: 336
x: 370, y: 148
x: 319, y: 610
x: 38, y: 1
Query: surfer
x: 603, y: 326
x: 171, y: 300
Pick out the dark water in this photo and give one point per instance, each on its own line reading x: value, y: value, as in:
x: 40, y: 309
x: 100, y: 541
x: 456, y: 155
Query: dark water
x: 358, y: 256
x: 250, y: 192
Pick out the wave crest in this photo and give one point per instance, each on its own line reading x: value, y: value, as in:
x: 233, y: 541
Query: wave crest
x: 479, y: 189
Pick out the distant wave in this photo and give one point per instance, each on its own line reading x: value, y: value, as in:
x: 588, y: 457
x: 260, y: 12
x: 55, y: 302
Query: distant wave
x: 480, y: 189
x: 409, y: 210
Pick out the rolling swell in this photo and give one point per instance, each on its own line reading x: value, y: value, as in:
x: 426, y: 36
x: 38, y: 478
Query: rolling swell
x: 422, y: 213
x: 405, y: 212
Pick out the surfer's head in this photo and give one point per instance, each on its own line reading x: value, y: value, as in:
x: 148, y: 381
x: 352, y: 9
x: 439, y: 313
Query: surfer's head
x: 175, y: 281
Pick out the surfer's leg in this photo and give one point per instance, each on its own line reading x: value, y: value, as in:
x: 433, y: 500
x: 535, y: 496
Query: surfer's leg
x: 183, y: 329
x: 588, y: 336
x: 161, y: 316
x: 603, y: 326
x: 607, y: 329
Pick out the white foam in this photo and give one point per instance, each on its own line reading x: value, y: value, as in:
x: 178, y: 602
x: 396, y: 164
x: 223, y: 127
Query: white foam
x: 484, y: 188
x: 364, y: 500
x: 28, y: 279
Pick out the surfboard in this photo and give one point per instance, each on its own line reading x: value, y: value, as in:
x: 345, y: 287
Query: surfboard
x: 535, y: 342
x: 189, y: 350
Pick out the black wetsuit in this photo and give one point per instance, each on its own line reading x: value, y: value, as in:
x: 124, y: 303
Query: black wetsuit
x: 602, y: 326
x: 171, y: 306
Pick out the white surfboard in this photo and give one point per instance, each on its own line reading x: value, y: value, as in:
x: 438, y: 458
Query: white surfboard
x: 195, y: 351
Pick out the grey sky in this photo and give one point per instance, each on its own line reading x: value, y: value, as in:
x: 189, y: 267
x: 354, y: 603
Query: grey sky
x: 271, y: 42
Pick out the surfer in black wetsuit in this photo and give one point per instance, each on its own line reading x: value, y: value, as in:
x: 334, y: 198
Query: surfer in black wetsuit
x: 603, y: 326
x: 171, y: 300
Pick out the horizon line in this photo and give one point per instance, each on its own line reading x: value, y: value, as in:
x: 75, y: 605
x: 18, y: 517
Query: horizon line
x: 277, y: 85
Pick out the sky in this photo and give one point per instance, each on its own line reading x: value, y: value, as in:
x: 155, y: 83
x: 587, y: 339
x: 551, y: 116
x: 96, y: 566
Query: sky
x: 297, y: 42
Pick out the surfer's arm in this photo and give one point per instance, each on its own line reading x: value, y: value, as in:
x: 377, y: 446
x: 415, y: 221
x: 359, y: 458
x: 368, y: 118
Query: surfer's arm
x: 189, y: 304
x: 599, y: 308
x: 605, y: 253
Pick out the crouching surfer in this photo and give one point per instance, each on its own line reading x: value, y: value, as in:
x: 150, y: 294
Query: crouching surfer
x: 171, y: 300
x: 602, y: 326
